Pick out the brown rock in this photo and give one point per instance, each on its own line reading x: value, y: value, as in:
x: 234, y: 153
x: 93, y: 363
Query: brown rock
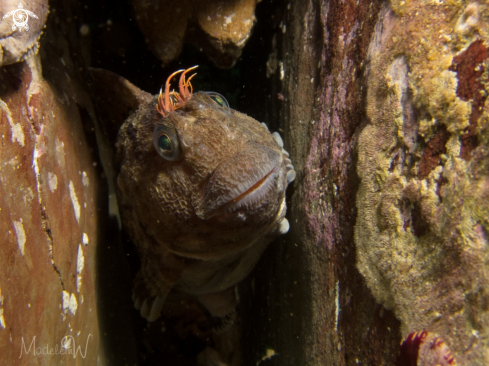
x: 223, y: 28
x: 164, y: 24
x: 49, y: 216
x: 50, y: 208
x: 218, y: 28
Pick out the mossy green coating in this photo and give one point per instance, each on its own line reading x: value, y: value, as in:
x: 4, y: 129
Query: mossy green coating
x: 422, y: 230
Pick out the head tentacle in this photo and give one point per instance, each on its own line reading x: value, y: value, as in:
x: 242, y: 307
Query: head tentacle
x: 171, y: 101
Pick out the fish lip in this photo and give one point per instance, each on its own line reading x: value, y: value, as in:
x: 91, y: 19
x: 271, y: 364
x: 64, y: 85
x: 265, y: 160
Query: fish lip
x: 254, y: 187
x: 246, y: 175
x: 260, y: 188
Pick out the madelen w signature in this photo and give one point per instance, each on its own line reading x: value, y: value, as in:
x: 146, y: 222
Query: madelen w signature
x: 67, y: 346
x: 20, y: 17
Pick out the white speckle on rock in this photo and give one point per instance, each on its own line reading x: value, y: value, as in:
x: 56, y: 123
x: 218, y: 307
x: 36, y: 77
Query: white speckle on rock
x: 229, y: 18
x: 37, y: 152
x: 468, y: 20
x: 69, y: 302
x: 19, y: 231
x: 2, y: 319
x: 80, y: 263
x: 73, y: 304
x: 14, y: 162
x: 85, y: 180
x: 85, y: 239
x: 52, y: 181
x: 28, y: 195
x: 246, y: 22
x: 60, y: 153
x: 74, y: 201
x: 66, y: 299
x: 17, y: 132
x: 282, y: 72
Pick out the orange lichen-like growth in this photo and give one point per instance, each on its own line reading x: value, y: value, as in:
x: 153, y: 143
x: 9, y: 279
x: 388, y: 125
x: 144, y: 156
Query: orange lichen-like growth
x: 173, y: 100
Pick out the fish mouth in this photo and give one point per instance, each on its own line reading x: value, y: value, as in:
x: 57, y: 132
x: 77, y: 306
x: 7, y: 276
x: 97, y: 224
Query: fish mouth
x: 243, y: 180
x: 253, y: 195
x: 255, y: 187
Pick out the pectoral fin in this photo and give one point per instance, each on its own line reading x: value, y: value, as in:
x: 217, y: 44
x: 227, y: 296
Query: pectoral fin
x: 149, y: 297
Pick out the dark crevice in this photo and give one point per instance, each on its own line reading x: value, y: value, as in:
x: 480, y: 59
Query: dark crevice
x: 420, y: 226
x: 45, y: 222
x: 47, y: 231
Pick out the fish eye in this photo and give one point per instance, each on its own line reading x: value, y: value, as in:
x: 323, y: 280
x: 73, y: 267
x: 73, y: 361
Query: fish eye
x: 219, y: 99
x: 166, y: 143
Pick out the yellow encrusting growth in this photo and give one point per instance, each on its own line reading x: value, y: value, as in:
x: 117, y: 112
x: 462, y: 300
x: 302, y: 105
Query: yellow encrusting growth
x: 422, y: 231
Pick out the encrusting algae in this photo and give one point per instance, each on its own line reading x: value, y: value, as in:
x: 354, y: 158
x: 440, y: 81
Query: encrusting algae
x: 422, y: 230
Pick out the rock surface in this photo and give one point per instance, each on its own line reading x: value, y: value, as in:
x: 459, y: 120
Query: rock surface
x: 314, y: 306
x: 382, y: 107
x: 218, y: 28
x: 50, y: 211
x: 19, y: 42
x: 49, y: 219
x: 422, y: 226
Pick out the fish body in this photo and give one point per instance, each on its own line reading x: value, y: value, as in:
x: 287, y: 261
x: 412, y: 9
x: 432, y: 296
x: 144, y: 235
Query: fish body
x: 201, y: 191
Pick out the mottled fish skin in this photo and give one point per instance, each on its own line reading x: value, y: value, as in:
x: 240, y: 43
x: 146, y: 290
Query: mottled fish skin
x: 201, y: 222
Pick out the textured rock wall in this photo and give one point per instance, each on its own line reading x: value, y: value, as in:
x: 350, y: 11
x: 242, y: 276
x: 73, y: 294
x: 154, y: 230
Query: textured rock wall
x: 423, y: 209
x: 385, y: 119
x: 51, y: 198
x: 315, y: 307
x: 49, y: 219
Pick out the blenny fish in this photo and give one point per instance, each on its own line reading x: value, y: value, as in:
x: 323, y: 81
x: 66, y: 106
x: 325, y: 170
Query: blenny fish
x: 201, y: 191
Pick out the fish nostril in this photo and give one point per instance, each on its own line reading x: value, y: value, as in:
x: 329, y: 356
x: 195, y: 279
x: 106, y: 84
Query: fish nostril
x: 185, y: 141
